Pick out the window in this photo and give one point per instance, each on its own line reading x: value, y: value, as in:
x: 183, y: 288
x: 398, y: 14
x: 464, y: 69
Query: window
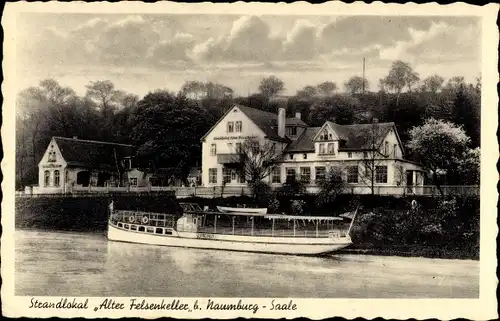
x: 381, y: 174
x: 386, y: 148
x: 290, y: 174
x: 230, y: 146
x: 133, y: 181
x: 304, y: 156
x: 292, y: 131
x: 320, y: 173
x: 238, y: 147
x: 52, y: 156
x: 226, y: 175
x: 365, y: 154
x: 395, y: 150
x: 349, y: 154
x: 321, y: 149
x: 56, y: 178
x: 331, y: 149
x: 212, y: 175
x: 238, y: 127
x: 352, y: 174
x: 213, y: 150
x: 276, y: 175
x: 291, y: 156
x: 46, y: 178
x: 230, y: 126
x: 305, y: 174
x: 233, y: 175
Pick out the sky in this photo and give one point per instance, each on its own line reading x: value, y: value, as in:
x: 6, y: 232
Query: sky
x: 145, y: 52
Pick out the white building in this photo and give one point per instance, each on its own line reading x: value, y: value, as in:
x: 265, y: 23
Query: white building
x: 309, y: 152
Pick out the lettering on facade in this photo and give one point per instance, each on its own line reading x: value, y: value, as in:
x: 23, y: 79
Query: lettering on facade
x: 52, y: 165
x: 233, y: 137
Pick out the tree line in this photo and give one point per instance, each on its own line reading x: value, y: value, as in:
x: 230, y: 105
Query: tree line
x: 166, y: 126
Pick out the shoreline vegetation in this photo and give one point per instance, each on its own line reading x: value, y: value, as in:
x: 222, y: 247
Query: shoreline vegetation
x: 445, y: 228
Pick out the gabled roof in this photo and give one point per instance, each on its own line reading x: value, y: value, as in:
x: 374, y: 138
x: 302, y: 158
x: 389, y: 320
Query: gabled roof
x: 266, y: 121
x: 305, y: 142
x: 90, y: 153
x: 356, y: 137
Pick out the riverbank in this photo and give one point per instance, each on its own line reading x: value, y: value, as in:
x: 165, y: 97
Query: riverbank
x: 414, y: 251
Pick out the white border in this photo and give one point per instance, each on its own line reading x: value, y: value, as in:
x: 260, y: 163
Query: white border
x: 483, y: 308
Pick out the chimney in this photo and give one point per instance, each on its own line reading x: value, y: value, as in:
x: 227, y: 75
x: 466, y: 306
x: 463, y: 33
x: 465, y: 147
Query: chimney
x: 281, y: 122
x: 297, y: 114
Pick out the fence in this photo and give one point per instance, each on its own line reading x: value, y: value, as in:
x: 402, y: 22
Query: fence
x: 228, y: 191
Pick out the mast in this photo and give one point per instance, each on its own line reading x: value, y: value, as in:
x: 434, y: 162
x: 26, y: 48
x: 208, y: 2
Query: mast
x: 363, y: 75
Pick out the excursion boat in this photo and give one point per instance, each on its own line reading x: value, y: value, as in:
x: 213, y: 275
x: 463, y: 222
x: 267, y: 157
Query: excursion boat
x: 225, y: 209
x: 237, y: 231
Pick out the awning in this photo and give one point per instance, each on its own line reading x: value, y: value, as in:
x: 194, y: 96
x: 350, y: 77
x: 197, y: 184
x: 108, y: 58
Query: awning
x: 228, y: 158
x: 299, y: 217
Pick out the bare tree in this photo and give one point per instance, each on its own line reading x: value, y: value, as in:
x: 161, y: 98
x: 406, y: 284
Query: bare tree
x: 257, y: 158
x: 271, y: 86
x: 371, y: 157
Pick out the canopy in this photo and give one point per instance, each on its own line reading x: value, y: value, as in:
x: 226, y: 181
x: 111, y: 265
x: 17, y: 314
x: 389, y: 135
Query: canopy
x: 299, y: 217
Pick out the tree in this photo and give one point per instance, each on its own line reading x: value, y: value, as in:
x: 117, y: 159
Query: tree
x: 257, y: 158
x: 401, y: 75
x: 438, y: 145
x: 271, y: 86
x: 355, y: 85
x: 432, y: 84
x: 339, y: 109
x: 330, y: 187
x: 166, y: 130
x: 469, y: 167
x: 104, y: 94
x: 371, y: 157
x: 307, y: 92
x: 327, y: 88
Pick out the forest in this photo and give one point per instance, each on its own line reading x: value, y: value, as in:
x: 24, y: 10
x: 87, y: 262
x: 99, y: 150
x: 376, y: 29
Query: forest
x: 166, y: 126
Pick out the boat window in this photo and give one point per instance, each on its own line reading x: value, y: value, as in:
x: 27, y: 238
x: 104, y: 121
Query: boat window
x: 133, y: 227
x: 150, y: 230
x: 120, y: 225
x: 169, y: 232
x: 126, y: 226
x: 159, y: 230
x: 141, y: 228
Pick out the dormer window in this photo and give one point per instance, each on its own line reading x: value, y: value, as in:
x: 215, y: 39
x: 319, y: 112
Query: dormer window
x: 292, y: 131
x: 230, y: 127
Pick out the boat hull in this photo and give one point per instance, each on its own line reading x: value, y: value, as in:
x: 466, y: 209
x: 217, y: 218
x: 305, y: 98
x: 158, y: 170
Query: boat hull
x: 225, y: 209
x: 305, y: 246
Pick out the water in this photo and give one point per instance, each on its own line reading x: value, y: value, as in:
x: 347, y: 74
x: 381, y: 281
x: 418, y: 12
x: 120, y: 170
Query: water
x: 86, y: 264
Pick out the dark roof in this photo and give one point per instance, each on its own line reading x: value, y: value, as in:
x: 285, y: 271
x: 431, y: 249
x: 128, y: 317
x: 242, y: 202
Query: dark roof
x: 266, y: 121
x: 356, y: 137
x: 305, y: 142
x: 293, y: 121
x: 92, y: 154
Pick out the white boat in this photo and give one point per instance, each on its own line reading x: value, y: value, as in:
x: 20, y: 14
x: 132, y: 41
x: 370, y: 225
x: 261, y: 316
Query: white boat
x: 225, y: 209
x: 281, y: 234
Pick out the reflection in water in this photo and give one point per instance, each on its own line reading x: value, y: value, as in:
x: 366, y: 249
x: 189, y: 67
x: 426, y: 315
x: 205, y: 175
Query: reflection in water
x: 79, y: 264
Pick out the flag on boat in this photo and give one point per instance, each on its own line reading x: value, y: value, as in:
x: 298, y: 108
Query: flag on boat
x: 349, y: 215
x: 111, y: 207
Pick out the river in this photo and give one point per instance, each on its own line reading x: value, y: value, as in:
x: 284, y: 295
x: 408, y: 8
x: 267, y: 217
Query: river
x: 86, y: 264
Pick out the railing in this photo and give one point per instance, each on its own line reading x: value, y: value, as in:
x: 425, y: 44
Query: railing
x: 271, y: 233
x: 145, y: 218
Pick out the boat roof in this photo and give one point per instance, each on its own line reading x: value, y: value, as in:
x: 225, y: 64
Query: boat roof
x: 301, y: 217
x: 224, y: 213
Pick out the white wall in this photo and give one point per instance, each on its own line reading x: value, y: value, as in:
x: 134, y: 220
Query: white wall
x: 220, y: 130
x: 44, y: 165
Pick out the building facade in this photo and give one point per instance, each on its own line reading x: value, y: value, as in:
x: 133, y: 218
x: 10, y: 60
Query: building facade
x: 369, y: 156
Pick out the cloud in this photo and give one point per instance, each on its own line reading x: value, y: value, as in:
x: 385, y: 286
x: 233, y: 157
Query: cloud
x: 301, y: 42
x: 248, y: 40
x: 441, y: 42
x: 175, y: 49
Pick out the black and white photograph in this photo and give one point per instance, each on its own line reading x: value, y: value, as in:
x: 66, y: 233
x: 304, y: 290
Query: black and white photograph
x: 229, y: 161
